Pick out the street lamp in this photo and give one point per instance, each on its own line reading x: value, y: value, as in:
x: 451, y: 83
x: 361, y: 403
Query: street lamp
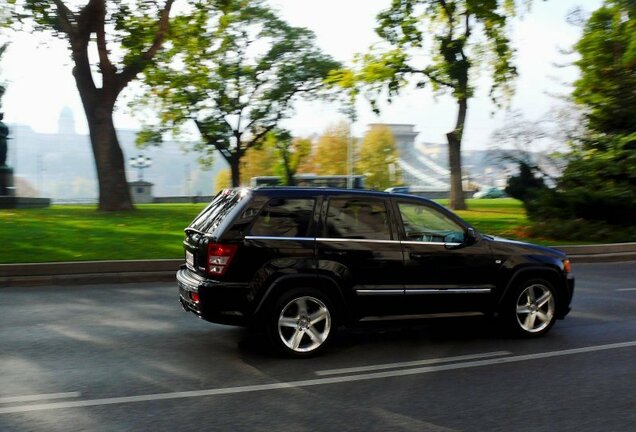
x: 140, y: 162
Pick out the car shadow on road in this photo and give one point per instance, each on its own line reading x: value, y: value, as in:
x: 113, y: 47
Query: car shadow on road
x: 390, y: 334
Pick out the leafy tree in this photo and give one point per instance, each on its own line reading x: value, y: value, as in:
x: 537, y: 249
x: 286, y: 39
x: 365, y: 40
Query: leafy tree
x: 135, y: 31
x: 330, y: 157
x: 525, y: 185
x: 223, y: 180
x: 599, y: 182
x: 604, y: 160
x: 3, y: 48
x: 234, y: 69
x: 259, y: 161
x: 461, y: 35
x: 607, y: 84
x: 292, y: 153
x: 376, y: 156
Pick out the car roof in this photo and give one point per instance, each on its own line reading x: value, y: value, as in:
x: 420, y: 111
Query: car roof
x: 312, y: 191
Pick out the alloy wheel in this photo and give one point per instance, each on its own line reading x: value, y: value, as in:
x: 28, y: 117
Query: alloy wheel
x: 535, y: 308
x: 304, y: 324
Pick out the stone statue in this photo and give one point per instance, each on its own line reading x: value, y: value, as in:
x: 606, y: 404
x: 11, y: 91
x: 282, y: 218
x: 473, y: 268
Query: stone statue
x: 4, y: 136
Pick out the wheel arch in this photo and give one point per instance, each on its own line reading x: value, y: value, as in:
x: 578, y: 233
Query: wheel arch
x: 550, y: 274
x: 323, y: 283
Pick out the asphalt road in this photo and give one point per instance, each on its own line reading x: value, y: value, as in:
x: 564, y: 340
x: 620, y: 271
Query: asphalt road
x: 126, y: 357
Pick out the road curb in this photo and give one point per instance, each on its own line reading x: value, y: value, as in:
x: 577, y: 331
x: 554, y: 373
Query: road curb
x: 88, y: 272
x: 163, y: 270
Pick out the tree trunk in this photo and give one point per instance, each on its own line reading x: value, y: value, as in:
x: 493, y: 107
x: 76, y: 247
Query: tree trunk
x: 289, y: 172
x: 235, y: 162
x: 114, y: 193
x: 454, y: 138
x: 291, y: 181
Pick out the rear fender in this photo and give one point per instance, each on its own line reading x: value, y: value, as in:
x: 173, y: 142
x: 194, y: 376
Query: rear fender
x: 320, y: 282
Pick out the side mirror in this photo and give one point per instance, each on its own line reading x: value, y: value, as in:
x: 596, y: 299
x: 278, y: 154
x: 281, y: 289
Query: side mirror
x: 453, y: 241
x: 471, y: 236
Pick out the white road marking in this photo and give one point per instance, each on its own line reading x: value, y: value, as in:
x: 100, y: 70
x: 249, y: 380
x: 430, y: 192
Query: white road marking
x: 39, y: 397
x: 626, y: 289
x: 410, y: 363
x: 310, y: 382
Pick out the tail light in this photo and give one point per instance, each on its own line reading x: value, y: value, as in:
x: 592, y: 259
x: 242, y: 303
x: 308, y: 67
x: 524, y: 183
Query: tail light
x: 219, y: 258
x: 566, y: 266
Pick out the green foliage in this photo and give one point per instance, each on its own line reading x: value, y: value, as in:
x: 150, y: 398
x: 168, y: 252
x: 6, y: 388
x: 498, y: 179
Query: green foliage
x: 130, y: 27
x: 607, y: 86
x: 525, y: 185
x: 291, y: 154
x: 377, y: 158
x: 235, y: 69
x: 126, y: 36
x: 461, y: 36
x: 447, y: 28
x: 3, y: 48
x: 614, y: 207
x: 598, y: 186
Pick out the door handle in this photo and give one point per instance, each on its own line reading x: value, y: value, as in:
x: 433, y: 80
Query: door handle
x: 417, y: 255
x: 335, y: 253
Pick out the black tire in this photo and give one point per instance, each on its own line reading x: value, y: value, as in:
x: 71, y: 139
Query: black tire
x: 529, y: 310
x: 301, y: 322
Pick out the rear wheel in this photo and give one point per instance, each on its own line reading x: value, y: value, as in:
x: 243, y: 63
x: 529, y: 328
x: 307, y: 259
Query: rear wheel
x: 530, y: 309
x: 301, y: 322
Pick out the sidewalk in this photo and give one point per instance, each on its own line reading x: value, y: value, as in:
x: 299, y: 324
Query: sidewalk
x: 97, y: 272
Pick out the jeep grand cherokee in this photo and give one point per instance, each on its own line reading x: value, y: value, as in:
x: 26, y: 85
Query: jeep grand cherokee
x: 298, y: 262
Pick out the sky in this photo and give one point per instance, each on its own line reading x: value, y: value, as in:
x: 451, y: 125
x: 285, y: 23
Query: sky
x: 37, y: 72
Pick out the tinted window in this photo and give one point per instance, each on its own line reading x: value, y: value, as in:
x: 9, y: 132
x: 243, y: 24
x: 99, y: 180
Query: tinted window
x: 284, y: 218
x: 358, y: 219
x: 427, y: 224
x: 211, y: 217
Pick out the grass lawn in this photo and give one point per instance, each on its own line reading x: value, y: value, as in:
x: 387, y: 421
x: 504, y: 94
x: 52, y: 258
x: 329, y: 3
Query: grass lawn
x: 79, y: 233
x: 504, y: 217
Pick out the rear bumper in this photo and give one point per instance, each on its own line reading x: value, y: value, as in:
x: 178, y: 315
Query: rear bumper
x: 218, y: 302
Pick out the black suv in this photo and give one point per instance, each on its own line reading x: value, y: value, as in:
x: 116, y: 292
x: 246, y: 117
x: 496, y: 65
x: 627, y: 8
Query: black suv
x: 298, y: 262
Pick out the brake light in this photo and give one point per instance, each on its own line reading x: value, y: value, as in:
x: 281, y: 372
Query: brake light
x: 219, y: 258
x: 566, y: 266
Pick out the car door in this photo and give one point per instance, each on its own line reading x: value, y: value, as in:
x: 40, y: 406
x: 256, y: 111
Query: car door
x: 445, y: 268
x: 359, y: 248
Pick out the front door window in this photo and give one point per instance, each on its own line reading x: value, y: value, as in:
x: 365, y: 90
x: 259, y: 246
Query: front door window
x: 426, y: 224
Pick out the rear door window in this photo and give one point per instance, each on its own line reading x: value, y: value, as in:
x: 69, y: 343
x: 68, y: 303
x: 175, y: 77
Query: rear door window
x: 358, y: 219
x: 285, y: 217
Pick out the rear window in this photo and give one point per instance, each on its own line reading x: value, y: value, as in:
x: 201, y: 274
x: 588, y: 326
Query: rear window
x: 211, y: 217
x: 285, y: 218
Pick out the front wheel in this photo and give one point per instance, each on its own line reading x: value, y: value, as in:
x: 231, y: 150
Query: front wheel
x: 530, y: 310
x: 301, y: 322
